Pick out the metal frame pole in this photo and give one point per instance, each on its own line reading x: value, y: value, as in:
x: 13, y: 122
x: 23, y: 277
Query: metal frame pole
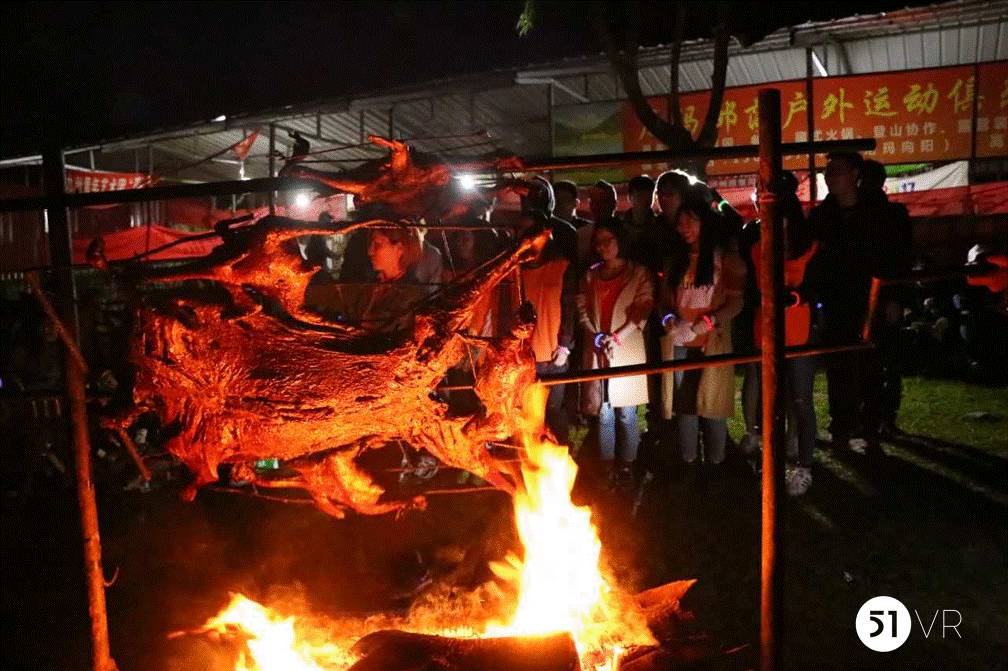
x: 543, y: 164
x: 61, y: 256
x: 810, y: 118
x: 974, y: 112
x: 713, y: 361
x: 272, y: 167
x: 772, y: 322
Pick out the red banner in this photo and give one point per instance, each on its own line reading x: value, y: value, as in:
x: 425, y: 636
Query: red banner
x: 915, y: 116
x: 130, y: 242
x: 242, y: 147
x: 94, y: 181
x: 992, y: 111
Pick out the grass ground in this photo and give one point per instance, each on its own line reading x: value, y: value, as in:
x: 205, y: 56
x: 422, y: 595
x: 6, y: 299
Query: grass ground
x: 937, y: 409
x: 928, y: 525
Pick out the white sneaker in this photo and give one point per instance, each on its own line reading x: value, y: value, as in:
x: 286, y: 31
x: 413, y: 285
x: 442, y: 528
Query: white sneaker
x: 751, y: 443
x: 797, y: 480
x: 858, y: 445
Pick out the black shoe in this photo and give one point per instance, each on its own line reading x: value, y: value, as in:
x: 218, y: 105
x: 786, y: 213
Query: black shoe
x: 624, y: 479
x: 873, y: 451
x: 890, y: 431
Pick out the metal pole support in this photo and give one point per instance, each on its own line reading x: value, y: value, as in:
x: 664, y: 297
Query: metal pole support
x: 60, y: 251
x: 771, y: 283
x: 272, y: 167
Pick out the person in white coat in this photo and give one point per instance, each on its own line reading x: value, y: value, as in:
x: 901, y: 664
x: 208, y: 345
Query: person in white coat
x: 614, y: 300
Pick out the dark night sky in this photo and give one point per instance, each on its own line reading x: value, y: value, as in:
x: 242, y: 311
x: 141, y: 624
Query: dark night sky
x: 82, y: 71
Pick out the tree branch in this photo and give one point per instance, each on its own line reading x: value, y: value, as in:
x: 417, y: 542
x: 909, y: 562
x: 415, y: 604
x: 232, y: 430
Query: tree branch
x: 708, y: 134
x: 624, y: 62
x: 674, y: 57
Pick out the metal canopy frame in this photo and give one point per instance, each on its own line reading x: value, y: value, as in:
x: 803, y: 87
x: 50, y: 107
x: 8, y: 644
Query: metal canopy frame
x: 950, y: 33
x: 770, y: 150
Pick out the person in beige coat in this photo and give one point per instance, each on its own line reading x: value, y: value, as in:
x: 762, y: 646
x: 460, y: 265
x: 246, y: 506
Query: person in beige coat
x: 615, y: 297
x: 701, y: 296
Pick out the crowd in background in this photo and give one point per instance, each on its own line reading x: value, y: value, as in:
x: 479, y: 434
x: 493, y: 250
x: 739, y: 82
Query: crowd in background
x: 673, y: 277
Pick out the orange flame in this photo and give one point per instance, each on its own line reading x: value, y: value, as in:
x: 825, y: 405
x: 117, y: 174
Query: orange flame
x: 560, y: 584
x: 271, y: 641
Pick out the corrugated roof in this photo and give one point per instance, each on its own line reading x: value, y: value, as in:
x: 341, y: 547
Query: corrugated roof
x: 446, y: 116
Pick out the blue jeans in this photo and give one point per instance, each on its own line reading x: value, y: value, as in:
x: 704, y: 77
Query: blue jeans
x: 557, y: 419
x: 715, y: 434
x: 688, y: 424
x: 801, y: 419
x: 801, y: 411
x: 618, y: 428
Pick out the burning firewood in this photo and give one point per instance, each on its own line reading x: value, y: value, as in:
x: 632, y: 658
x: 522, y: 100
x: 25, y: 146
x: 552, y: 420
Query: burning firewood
x: 401, y: 651
x: 661, y: 607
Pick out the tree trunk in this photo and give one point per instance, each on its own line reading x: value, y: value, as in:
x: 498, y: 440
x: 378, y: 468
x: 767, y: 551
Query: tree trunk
x: 622, y: 47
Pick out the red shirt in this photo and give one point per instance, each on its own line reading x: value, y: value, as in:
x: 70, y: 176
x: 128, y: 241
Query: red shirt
x: 608, y: 292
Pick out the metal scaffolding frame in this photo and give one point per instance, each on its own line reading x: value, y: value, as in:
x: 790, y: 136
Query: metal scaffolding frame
x: 770, y: 150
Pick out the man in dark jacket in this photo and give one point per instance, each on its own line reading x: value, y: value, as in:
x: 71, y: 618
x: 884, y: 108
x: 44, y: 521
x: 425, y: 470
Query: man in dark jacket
x: 895, y: 239
x: 639, y: 220
x: 849, y: 230
x: 540, y: 199
x: 567, y: 203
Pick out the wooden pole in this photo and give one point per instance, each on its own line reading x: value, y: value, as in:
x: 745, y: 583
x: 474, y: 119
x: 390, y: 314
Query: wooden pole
x: 134, y: 453
x: 64, y: 332
x: 771, y: 284
x: 873, y: 299
x: 61, y: 257
x: 810, y: 118
x: 272, y: 167
x: 713, y: 361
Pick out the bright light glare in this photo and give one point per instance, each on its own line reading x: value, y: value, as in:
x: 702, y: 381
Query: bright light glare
x: 468, y: 182
x: 222, y: 117
x: 819, y: 65
x: 302, y: 201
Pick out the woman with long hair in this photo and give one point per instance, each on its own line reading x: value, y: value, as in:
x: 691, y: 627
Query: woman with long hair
x: 385, y: 305
x: 614, y: 300
x: 702, y: 293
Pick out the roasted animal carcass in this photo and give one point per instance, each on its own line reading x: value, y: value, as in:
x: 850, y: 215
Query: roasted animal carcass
x: 404, y: 185
x: 247, y: 383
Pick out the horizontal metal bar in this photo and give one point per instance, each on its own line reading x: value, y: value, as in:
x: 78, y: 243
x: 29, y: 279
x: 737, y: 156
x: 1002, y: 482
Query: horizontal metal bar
x: 710, y: 153
x: 672, y: 366
x: 260, y: 185
x: 267, y: 184
x: 939, y: 274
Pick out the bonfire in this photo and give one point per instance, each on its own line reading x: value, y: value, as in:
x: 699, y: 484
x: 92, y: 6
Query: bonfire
x: 552, y: 607
x: 231, y: 376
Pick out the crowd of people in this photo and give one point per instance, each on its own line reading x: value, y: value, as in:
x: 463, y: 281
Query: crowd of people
x: 674, y: 277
